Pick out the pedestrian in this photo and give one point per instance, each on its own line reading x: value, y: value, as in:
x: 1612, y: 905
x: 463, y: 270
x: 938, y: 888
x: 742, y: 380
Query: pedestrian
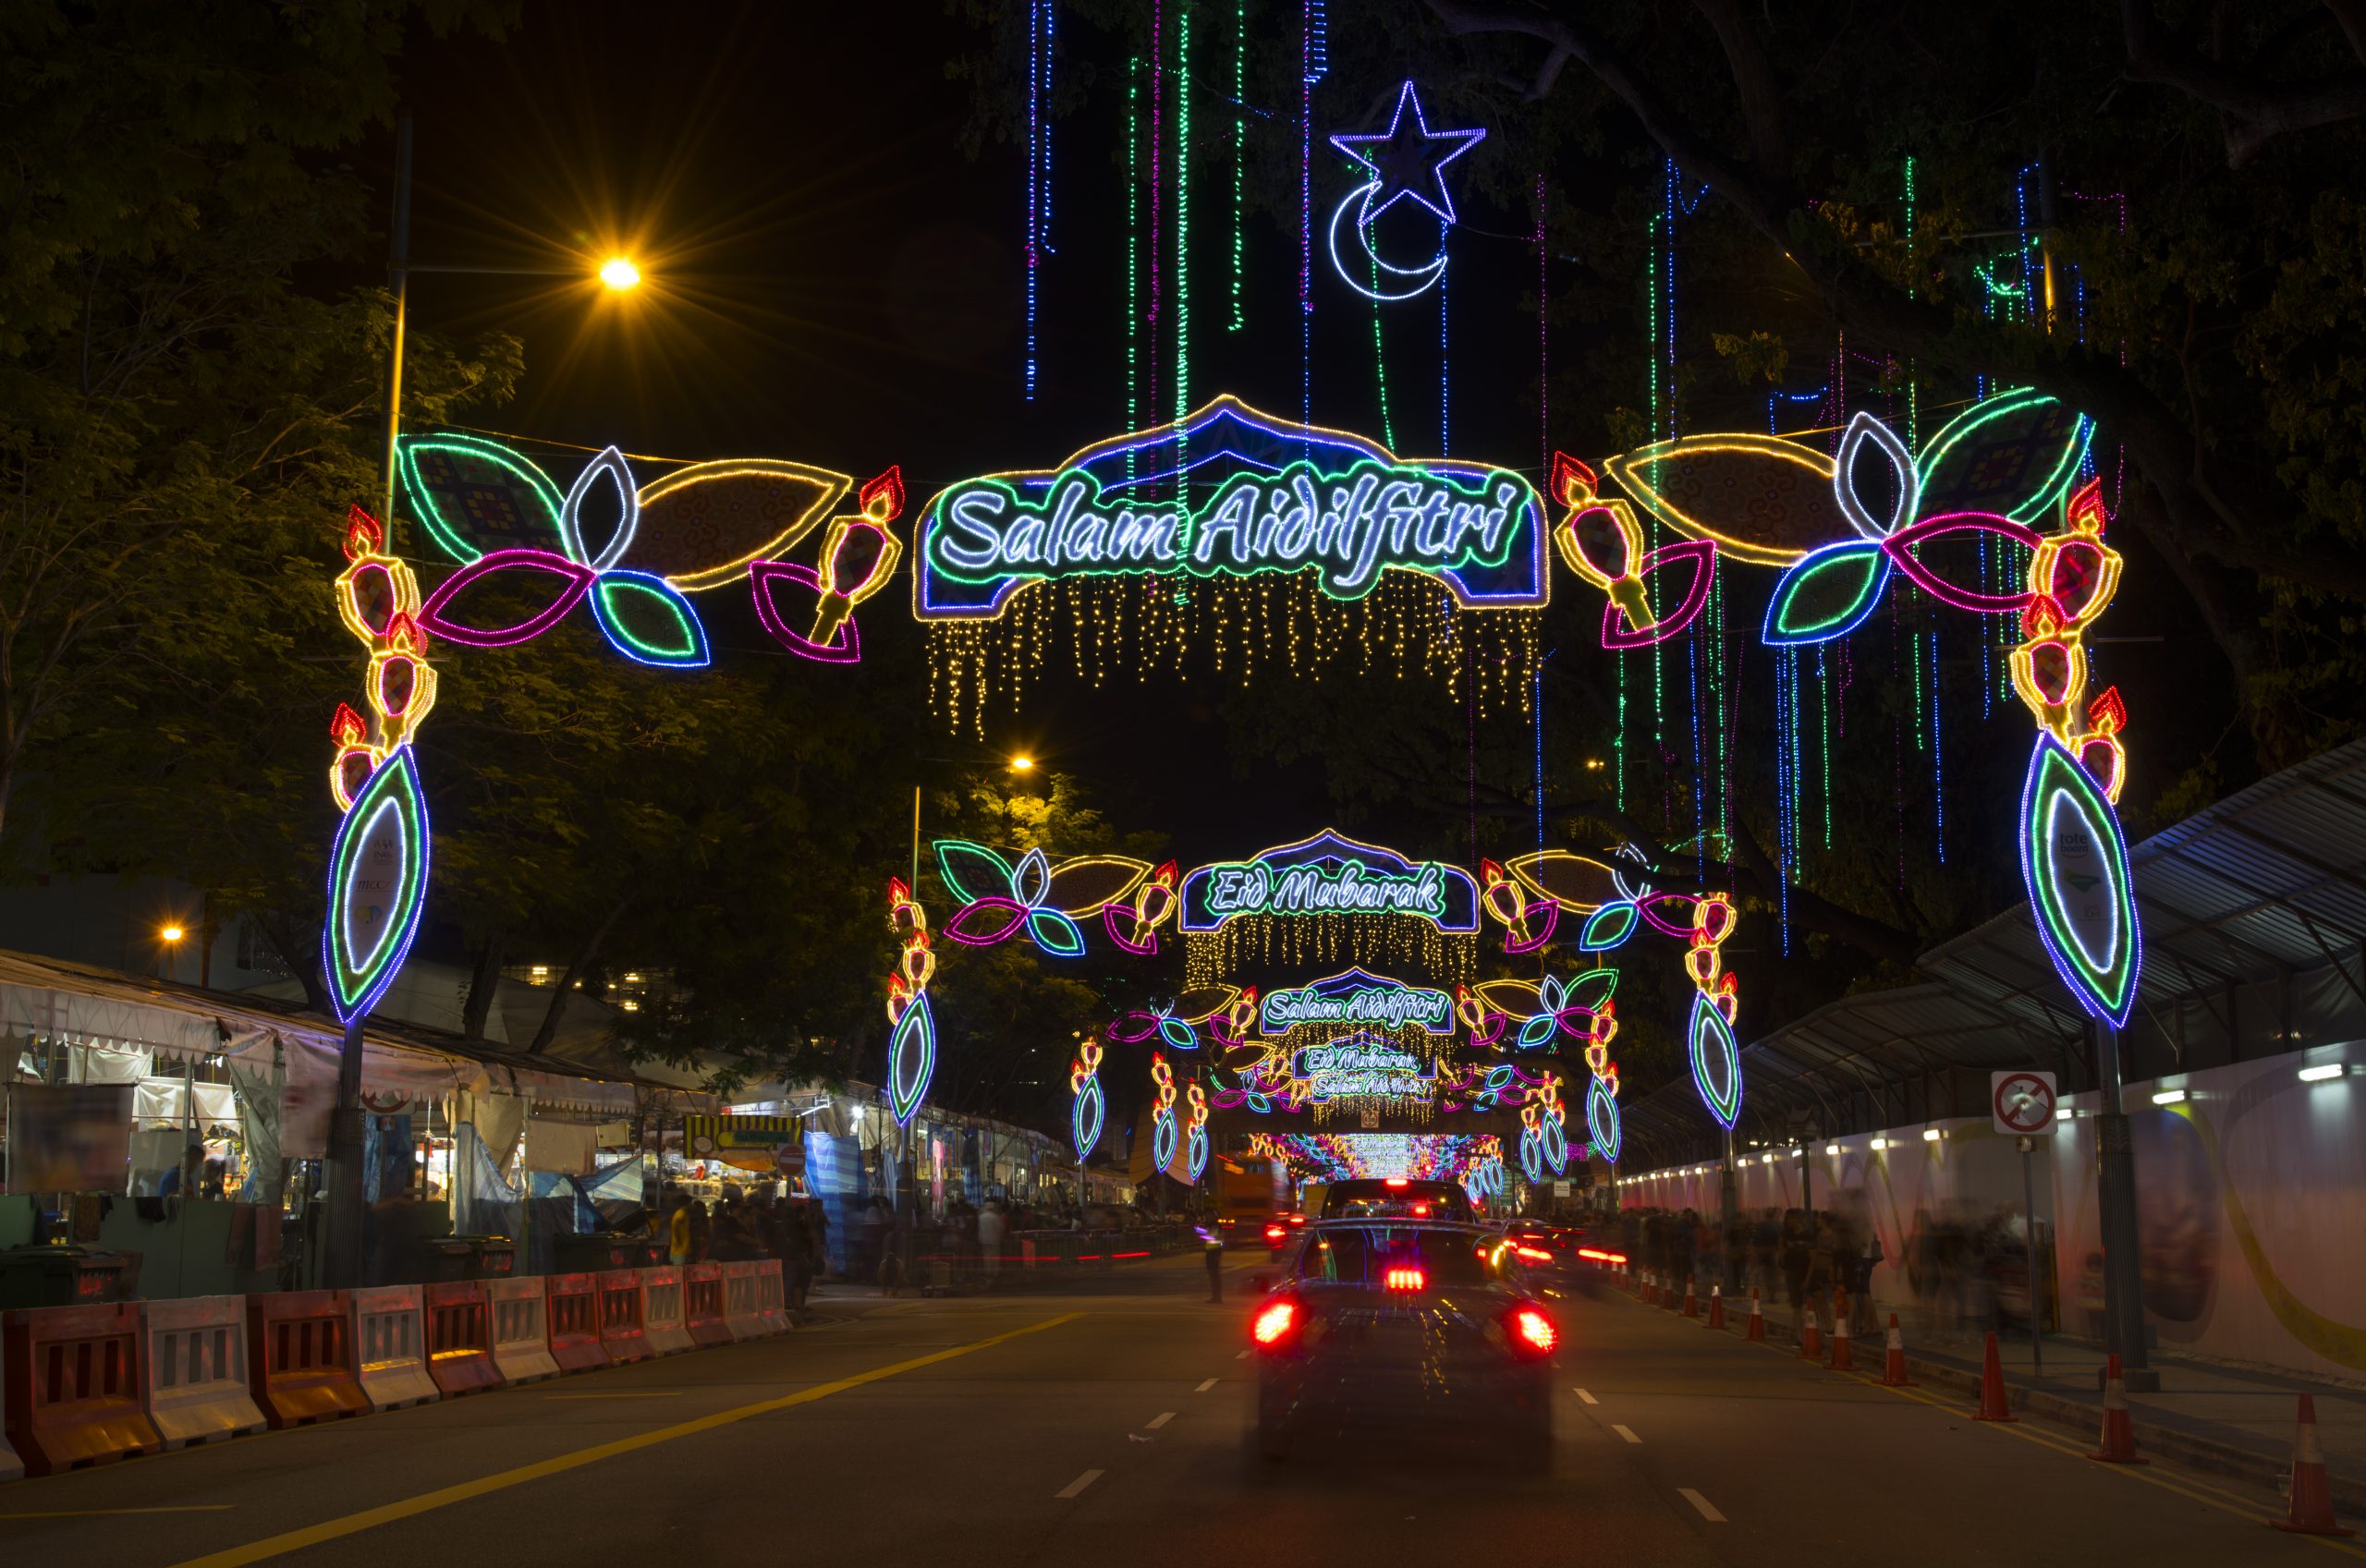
x: 1213, y: 1246
x: 701, y: 1232
x: 679, y: 1236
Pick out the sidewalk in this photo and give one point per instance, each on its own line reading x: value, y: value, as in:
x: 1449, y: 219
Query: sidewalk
x: 2225, y: 1420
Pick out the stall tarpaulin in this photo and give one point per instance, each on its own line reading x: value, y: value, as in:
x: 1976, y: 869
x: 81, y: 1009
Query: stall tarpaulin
x: 562, y: 1148
x: 68, y: 1138
x: 160, y: 1100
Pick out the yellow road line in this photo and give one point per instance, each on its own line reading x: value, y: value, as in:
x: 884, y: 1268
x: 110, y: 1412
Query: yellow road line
x: 444, y: 1497
x: 107, y: 1512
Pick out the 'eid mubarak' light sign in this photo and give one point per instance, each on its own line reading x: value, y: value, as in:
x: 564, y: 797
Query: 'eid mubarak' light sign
x: 1331, y: 875
x: 1229, y: 492
x: 1355, y: 998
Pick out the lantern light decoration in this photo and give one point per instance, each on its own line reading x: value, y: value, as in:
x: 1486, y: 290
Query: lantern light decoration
x: 1195, y: 1100
x: 1164, y: 1130
x: 912, y: 1042
x: 1090, y: 1105
x: 859, y: 556
x: 378, y: 863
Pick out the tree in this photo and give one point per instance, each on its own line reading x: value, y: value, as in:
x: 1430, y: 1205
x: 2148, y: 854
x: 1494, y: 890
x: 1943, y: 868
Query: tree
x: 170, y: 401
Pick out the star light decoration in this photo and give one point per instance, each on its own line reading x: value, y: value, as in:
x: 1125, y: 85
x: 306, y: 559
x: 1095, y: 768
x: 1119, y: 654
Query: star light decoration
x: 1408, y: 160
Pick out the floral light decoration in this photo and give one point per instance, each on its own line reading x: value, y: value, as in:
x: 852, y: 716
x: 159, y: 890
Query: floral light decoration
x: 1163, y: 1131
x: 1177, y: 1024
x: 999, y: 898
x: 378, y: 863
x: 1091, y: 1106
x: 911, y: 1044
x: 1545, y: 1009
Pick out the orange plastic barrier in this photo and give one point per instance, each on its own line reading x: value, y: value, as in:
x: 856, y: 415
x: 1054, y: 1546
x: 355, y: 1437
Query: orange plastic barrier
x: 197, y: 1369
x: 392, y: 1342
x: 521, y: 1351
x: 742, y: 1313
x: 299, y: 1357
x: 771, y: 1296
x: 620, y: 1330
x: 574, y: 1324
x: 460, y: 1338
x: 661, y: 1310
x: 703, y: 1303
x: 76, y: 1379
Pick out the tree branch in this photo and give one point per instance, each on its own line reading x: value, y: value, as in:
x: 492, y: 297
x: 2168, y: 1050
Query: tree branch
x: 2258, y: 112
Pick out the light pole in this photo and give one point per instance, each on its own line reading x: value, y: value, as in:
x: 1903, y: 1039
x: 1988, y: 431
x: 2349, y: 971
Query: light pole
x: 342, y: 1247
x: 618, y: 274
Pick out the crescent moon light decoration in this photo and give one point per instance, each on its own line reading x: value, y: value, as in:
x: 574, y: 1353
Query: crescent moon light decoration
x: 1406, y: 160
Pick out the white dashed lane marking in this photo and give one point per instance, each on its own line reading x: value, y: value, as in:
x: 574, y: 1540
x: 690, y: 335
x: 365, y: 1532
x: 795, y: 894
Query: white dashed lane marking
x: 1708, y: 1510
x: 1205, y: 1387
x: 1587, y: 1397
x: 1077, y: 1486
x: 1625, y: 1432
x: 1156, y: 1422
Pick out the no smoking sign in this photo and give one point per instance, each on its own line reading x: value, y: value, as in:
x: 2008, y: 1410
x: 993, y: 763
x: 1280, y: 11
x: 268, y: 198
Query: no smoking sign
x: 2021, y: 1104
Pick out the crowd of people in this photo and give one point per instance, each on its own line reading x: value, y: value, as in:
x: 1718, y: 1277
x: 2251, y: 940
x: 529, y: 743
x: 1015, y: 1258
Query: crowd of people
x: 1964, y: 1271
x: 743, y: 1228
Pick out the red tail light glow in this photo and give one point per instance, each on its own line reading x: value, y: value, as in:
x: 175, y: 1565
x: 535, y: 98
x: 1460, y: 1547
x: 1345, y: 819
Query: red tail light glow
x: 1421, y: 1211
x: 1405, y: 1279
x: 1595, y: 1255
x: 1298, y: 1219
x: 1534, y: 1255
x: 1532, y: 1332
x: 1274, y: 1232
x: 1274, y: 1324
x: 1398, y: 1182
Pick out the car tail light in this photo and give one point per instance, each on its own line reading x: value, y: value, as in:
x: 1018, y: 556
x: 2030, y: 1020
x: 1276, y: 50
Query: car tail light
x: 1405, y: 1279
x: 1595, y: 1253
x: 1398, y: 1182
x: 1421, y: 1211
x: 1534, y: 1255
x: 1274, y: 1232
x: 1275, y: 1323
x: 1532, y: 1334
x: 1298, y: 1219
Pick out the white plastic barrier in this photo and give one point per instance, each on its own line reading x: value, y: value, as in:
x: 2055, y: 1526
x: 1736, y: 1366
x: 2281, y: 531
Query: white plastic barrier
x: 772, y: 1297
x: 522, y: 1347
x: 12, y: 1467
x: 741, y: 1312
x: 390, y: 1347
x: 661, y: 1311
x: 197, y: 1368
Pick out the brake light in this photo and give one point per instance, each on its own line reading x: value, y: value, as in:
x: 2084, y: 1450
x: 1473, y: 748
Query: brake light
x: 1398, y: 1182
x: 1595, y: 1255
x: 1273, y: 1323
x: 1274, y: 1232
x: 1421, y: 1211
x: 1532, y: 1332
x: 1535, y: 1255
x: 1405, y: 1279
x: 1298, y: 1219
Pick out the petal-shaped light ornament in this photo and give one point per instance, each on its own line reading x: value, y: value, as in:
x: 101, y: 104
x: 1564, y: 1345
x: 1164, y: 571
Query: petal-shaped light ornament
x: 435, y: 618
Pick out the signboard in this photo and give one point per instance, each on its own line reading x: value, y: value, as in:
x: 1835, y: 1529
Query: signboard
x: 1263, y: 496
x: 2021, y: 1104
x: 1361, y: 1067
x: 1329, y: 874
x: 1354, y: 997
x: 773, y: 1145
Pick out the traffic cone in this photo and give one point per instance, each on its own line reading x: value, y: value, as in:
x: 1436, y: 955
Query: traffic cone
x: 1843, y: 1358
x: 1691, y: 1303
x: 1993, y: 1406
x: 1651, y: 1289
x: 2311, y: 1513
x: 1810, y: 1338
x: 2120, y: 1437
x: 1717, y: 1306
x: 1757, y: 1331
x: 1894, y: 1359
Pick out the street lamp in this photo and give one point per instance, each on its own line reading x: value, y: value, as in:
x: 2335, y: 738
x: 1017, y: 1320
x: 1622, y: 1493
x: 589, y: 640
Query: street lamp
x: 170, y: 934
x: 618, y: 274
x: 1022, y: 763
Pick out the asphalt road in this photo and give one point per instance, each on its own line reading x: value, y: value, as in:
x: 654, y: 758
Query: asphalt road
x: 1108, y: 1427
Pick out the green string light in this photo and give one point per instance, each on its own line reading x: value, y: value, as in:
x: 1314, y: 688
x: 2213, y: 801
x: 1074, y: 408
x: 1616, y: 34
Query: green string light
x: 1182, y: 216
x: 1133, y: 252
x: 1239, y: 145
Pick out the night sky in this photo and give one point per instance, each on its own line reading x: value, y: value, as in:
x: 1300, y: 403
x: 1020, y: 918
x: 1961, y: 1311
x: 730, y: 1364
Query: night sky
x: 834, y: 280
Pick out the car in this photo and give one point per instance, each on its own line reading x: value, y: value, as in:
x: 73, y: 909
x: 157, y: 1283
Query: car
x: 1385, y: 1321
x: 1396, y: 1196
x: 1281, y: 1232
